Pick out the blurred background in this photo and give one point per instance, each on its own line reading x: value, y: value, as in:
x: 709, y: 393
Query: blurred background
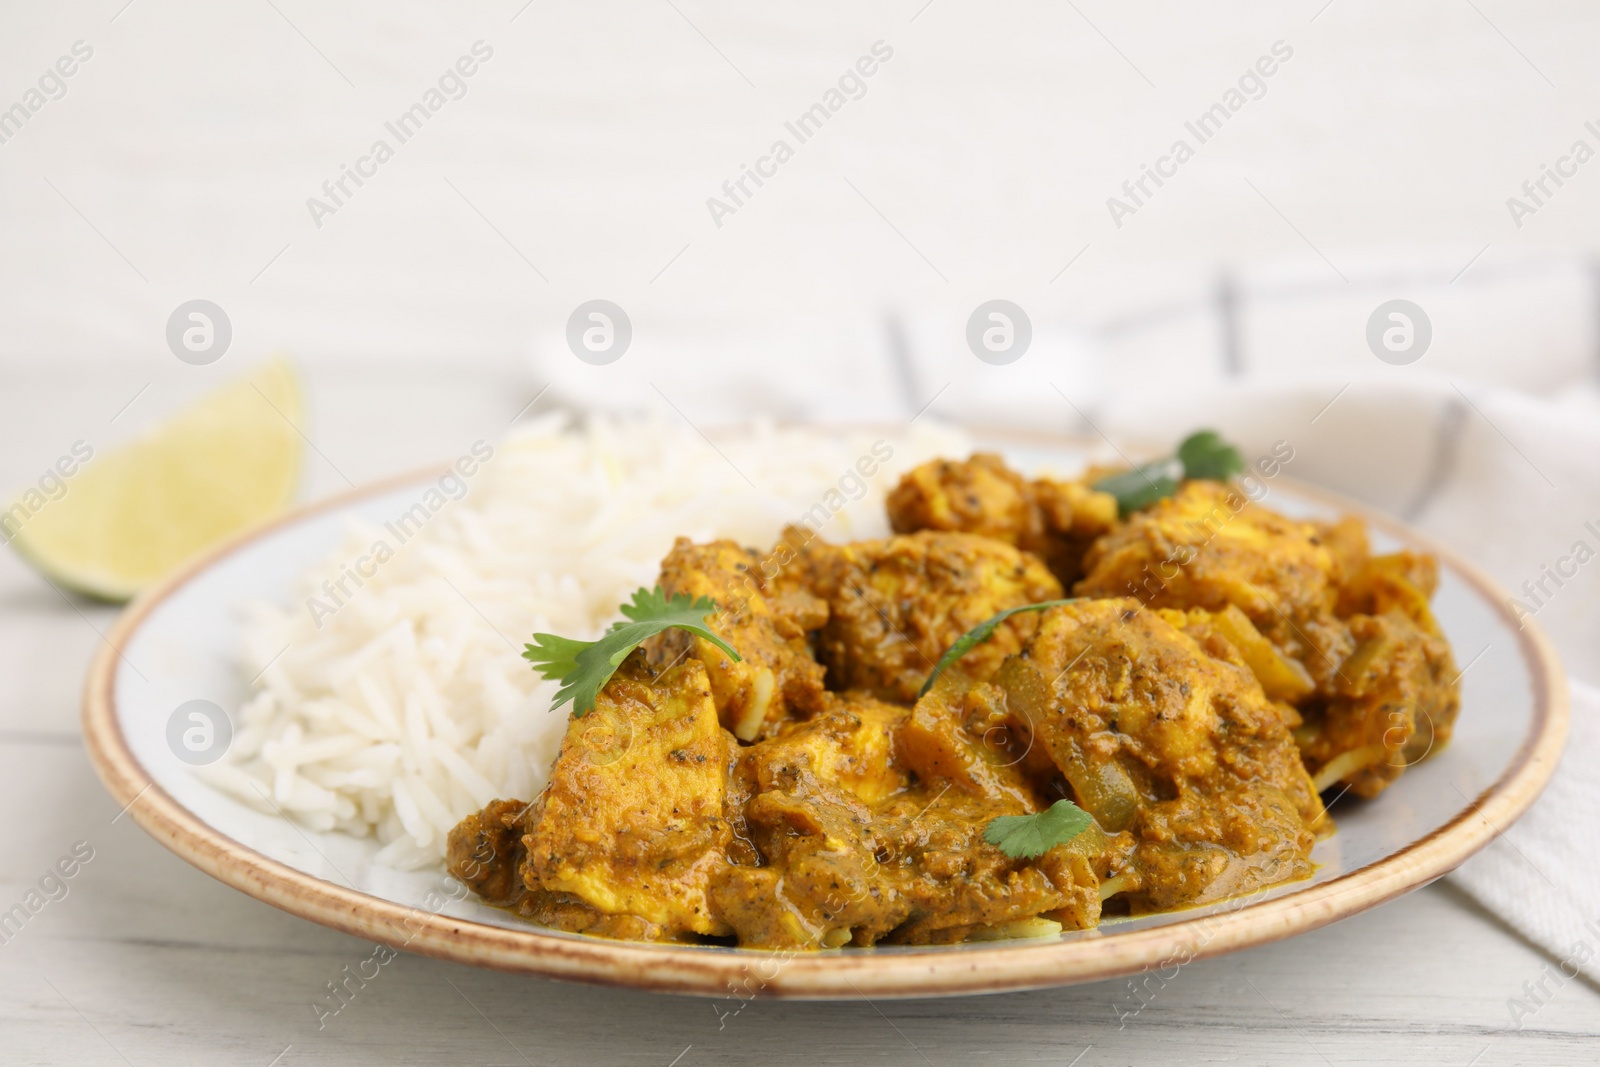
x: 1338, y: 155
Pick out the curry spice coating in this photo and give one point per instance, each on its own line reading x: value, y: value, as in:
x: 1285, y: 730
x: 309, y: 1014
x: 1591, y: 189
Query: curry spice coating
x: 895, y: 605
x: 1054, y: 520
x: 1224, y: 665
x: 632, y: 821
x: 1181, y: 749
x: 777, y: 673
x: 1354, y: 647
x: 1208, y: 546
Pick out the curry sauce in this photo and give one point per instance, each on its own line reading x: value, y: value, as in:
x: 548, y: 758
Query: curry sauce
x: 1221, y: 667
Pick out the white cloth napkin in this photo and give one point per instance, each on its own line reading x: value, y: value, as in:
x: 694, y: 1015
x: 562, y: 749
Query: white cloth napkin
x: 1489, y: 442
x: 1542, y: 877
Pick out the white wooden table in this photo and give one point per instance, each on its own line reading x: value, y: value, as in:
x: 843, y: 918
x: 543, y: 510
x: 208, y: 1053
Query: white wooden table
x: 148, y: 961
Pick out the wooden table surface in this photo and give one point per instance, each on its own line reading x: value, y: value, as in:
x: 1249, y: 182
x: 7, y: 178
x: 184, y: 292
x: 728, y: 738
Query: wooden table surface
x: 148, y: 961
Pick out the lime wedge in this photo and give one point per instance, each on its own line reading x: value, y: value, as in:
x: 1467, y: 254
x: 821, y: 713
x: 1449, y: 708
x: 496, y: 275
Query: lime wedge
x: 130, y: 515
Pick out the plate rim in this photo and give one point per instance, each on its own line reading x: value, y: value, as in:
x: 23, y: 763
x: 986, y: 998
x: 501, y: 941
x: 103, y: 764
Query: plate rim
x: 1007, y: 967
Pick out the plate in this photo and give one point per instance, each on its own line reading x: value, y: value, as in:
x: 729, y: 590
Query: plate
x: 178, y: 643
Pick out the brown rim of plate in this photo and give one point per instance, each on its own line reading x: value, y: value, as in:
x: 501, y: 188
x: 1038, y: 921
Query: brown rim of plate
x: 1007, y: 966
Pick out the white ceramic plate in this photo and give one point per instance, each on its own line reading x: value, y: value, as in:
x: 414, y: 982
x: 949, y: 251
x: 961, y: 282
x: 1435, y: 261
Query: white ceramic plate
x: 183, y: 637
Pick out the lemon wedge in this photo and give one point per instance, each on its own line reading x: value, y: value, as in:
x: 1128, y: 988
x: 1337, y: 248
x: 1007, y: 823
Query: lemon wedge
x: 128, y: 516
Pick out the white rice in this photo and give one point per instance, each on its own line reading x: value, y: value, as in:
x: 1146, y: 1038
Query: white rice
x: 410, y: 706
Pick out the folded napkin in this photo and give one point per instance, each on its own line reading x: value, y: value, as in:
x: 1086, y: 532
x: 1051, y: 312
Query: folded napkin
x: 1542, y: 877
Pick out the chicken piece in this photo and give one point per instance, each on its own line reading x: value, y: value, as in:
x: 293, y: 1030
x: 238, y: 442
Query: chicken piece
x: 563, y: 911
x: 915, y: 871
x: 1136, y: 715
x: 1321, y: 645
x: 980, y: 495
x: 634, y: 824
x: 1198, y: 849
x: 1346, y: 538
x: 1075, y: 516
x: 895, y: 606
x: 1054, y: 520
x: 1230, y: 636
x: 853, y: 858
x: 960, y: 732
x: 1387, y: 687
x: 958, y: 885
x: 1394, y: 700
x: 1401, y: 581
x: 822, y: 885
x: 485, y: 852
x: 809, y: 793
x: 1208, y: 547
x: 777, y: 674
x: 1375, y: 696
x: 851, y: 745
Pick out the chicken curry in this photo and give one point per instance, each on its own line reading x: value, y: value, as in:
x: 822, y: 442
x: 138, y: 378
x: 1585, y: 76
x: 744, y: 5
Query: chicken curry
x: 808, y: 780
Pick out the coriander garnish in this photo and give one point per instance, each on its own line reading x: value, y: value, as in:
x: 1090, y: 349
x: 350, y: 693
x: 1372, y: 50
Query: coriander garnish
x: 979, y: 634
x: 1026, y: 837
x: 584, y: 667
x: 1201, y: 455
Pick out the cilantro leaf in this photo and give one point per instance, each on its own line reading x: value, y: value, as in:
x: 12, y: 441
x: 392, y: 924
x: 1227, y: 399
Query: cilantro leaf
x: 554, y: 656
x: 1026, y: 837
x: 584, y: 667
x: 978, y: 635
x: 1207, y: 455
x: 1141, y: 486
x: 1201, y: 455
